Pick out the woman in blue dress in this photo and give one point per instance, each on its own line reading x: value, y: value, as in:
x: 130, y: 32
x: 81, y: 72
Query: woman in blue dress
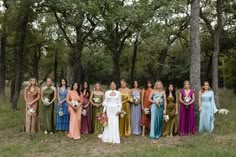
x: 207, y: 108
x: 135, y: 109
x: 62, y: 118
x: 158, y: 109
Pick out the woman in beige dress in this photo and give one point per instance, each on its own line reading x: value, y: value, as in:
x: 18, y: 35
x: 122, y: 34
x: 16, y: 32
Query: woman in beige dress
x: 32, y: 96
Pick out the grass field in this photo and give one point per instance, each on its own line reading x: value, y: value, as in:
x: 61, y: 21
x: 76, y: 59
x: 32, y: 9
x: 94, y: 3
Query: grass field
x: 14, y: 142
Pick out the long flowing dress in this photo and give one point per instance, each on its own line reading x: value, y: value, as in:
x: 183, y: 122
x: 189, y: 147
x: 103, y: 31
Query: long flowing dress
x: 170, y: 127
x: 62, y: 122
x: 48, y: 111
x: 206, y: 123
x: 32, y: 121
x: 75, y: 116
x: 136, y: 114
x: 97, y: 127
x: 112, y: 104
x: 86, y: 120
x: 145, y: 119
x: 186, y: 117
x: 156, y: 117
x: 124, y: 122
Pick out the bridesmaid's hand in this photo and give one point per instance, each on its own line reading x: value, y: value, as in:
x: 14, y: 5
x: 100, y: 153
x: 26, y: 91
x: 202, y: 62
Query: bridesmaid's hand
x: 200, y: 109
x: 164, y: 112
x: 176, y: 113
x: 118, y: 113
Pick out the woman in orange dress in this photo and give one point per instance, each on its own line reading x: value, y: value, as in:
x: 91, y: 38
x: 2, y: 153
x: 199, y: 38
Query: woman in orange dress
x: 32, y: 96
x: 146, y: 104
x: 74, y: 96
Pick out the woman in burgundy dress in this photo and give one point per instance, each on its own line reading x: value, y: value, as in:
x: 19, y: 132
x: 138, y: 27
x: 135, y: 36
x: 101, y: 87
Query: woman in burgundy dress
x: 86, y: 111
x: 186, y: 117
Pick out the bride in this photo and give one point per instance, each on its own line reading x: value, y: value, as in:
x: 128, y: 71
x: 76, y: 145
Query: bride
x: 112, y: 106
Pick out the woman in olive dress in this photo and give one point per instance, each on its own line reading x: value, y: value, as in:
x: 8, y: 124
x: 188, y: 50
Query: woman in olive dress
x: 48, y: 97
x: 96, y: 99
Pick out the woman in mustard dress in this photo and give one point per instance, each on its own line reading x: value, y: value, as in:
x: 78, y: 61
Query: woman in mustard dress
x: 124, y: 119
x: 170, y: 128
x: 32, y: 96
x: 74, y: 95
x: 96, y: 99
x: 48, y: 97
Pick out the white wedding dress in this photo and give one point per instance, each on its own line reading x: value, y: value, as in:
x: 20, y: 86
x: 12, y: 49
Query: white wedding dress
x: 112, y: 104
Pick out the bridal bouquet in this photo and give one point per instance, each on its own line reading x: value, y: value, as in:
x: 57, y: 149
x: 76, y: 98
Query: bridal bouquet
x: 166, y: 118
x: 187, y: 100
x: 61, y: 113
x: 223, y: 111
x: 122, y: 114
x: 97, y: 100
x: 146, y: 110
x: 74, y: 103
x: 47, y: 100
x: 158, y: 100
x: 31, y: 112
x: 102, y: 119
x: 84, y: 112
x: 137, y: 99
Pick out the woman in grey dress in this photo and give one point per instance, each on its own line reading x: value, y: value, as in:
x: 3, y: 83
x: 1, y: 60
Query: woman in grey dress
x: 136, y: 110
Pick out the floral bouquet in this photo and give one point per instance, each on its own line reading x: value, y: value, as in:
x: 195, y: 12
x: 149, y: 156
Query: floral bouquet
x: 47, y: 100
x: 158, y: 100
x: 137, y: 99
x: 122, y: 114
x: 97, y: 100
x: 74, y: 103
x: 102, y: 119
x: 166, y: 118
x: 84, y: 112
x: 31, y: 112
x: 61, y: 113
x: 146, y: 111
x: 187, y: 99
x: 223, y: 111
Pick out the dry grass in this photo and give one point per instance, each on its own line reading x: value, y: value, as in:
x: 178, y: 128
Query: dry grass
x: 14, y: 142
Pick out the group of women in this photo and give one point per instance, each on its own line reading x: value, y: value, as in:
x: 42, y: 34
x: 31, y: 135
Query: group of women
x: 129, y: 111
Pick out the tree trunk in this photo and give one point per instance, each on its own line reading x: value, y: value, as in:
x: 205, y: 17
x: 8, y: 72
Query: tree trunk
x: 20, y: 37
x: 116, y: 67
x: 55, y: 67
x: 36, y: 59
x: 215, y: 55
x: 135, y: 50
x: 2, y: 63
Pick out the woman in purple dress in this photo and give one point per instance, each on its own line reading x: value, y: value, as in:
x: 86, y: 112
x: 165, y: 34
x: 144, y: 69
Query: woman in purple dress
x: 136, y: 110
x: 186, y: 117
x: 86, y: 111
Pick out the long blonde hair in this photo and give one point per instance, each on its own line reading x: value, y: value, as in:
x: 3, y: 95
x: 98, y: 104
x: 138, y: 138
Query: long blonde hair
x: 29, y: 84
x: 155, y: 85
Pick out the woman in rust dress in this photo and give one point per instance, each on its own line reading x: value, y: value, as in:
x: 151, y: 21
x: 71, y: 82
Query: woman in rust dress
x: 145, y: 121
x: 32, y: 96
x: 74, y: 95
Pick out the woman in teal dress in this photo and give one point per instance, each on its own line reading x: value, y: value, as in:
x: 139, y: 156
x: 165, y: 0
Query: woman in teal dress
x: 48, y: 97
x: 207, y: 108
x: 158, y: 109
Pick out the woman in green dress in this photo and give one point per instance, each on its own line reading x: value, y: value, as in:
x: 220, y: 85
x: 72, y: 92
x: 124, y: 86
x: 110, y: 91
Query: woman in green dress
x: 170, y: 127
x: 96, y: 99
x: 48, y: 97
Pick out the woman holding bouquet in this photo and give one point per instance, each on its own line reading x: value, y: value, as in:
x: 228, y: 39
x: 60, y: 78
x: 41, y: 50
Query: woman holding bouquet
x: 145, y: 120
x: 86, y: 111
x: 207, y: 108
x: 48, y: 97
x: 32, y: 96
x: 96, y: 99
x: 62, y: 118
x: 112, y: 107
x: 125, y: 128
x: 158, y: 109
x: 74, y: 100
x: 186, y: 117
x: 170, y: 127
x: 136, y: 110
